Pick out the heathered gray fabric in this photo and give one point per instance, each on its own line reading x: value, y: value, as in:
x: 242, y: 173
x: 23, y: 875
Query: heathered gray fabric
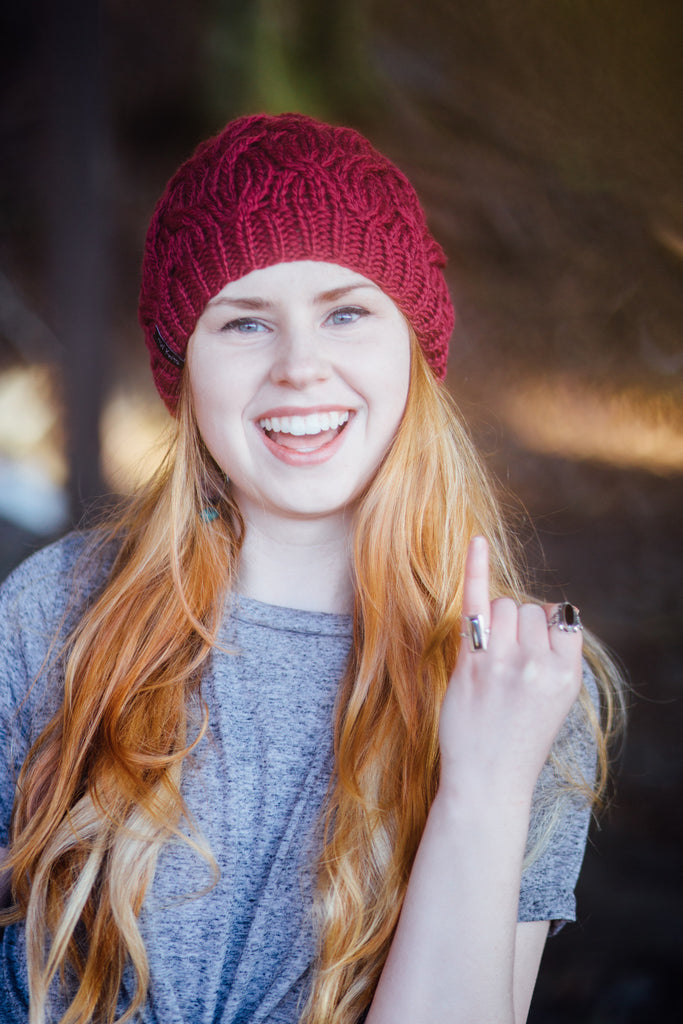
x: 238, y: 954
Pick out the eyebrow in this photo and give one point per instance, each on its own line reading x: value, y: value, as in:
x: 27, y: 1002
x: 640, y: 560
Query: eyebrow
x: 255, y: 303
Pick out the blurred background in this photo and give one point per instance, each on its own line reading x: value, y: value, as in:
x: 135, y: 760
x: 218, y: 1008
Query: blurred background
x: 546, y: 142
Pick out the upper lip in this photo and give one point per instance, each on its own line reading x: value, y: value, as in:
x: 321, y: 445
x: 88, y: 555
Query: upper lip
x: 295, y: 410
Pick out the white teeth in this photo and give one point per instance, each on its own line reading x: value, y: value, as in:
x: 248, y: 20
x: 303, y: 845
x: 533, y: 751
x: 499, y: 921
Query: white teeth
x: 300, y: 426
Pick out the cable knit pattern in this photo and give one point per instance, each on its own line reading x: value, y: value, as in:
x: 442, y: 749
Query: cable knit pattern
x: 275, y: 189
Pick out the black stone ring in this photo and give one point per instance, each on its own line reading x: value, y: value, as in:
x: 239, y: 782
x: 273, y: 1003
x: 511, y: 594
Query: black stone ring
x: 566, y: 618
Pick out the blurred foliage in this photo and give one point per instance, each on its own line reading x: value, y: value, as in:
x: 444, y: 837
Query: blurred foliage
x: 304, y: 56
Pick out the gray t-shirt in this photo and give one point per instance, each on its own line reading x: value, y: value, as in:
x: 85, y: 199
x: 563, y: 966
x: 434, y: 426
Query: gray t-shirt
x: 239, y: 953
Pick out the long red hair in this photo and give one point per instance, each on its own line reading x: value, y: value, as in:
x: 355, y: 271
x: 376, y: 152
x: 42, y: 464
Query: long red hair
x: 100, y: 791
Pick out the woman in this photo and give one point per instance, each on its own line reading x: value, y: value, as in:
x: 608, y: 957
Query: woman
x: 289, y: 742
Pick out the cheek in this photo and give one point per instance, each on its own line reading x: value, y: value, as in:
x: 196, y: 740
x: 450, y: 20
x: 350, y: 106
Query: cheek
x: 395, y: 382
x: 216, y: 413
x: 393, y: 417
x: 215, y: 389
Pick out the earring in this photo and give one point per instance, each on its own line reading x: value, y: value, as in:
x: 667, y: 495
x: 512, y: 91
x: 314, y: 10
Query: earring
x: 209, y: 514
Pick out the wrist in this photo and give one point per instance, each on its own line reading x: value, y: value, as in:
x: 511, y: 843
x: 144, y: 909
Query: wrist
x: 482, y: 807
x: 486, y: 840
x: 488, y: 780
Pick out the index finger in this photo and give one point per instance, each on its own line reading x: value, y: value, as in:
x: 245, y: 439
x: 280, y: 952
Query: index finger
x: 476, y: 583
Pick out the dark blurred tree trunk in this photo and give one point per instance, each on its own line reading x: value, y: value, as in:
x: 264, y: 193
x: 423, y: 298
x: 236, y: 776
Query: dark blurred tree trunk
x: 77, y: 227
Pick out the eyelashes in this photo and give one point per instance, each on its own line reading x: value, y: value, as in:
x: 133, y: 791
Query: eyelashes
x: 244, y: 325
x: 346, y: 315
x: 340, y: 317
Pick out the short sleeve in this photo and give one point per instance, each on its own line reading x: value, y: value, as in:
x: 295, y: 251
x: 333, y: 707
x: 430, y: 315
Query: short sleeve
x: 562, y: 816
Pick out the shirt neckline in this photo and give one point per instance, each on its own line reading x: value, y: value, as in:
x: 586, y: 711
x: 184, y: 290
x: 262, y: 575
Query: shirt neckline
x: 279, y: 617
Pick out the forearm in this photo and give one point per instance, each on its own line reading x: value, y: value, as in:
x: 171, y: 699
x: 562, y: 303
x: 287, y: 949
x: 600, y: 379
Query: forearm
x: 453, y: 955
x: 458, y: 955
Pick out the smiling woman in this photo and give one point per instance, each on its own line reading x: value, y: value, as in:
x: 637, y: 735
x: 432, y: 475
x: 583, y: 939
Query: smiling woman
x: 261, y: 384
x: 285, y: 741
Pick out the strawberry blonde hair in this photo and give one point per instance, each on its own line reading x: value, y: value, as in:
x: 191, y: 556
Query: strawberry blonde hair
x: 100, y: 791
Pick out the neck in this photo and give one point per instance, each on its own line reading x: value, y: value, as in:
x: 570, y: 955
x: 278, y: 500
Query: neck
x: 297, y: 563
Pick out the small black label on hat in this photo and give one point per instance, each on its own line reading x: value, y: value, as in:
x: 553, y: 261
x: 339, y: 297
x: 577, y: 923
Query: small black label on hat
x: 166, y: 351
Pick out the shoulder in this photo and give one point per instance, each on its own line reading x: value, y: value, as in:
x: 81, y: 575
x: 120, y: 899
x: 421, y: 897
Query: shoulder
x: 41, y: 601
x: 70, y: 568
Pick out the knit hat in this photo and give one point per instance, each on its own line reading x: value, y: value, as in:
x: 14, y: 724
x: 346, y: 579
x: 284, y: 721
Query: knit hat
x: 275, y: 189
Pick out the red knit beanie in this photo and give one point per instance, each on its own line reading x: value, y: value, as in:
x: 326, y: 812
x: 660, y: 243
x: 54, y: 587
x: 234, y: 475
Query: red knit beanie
x: 279, y: 189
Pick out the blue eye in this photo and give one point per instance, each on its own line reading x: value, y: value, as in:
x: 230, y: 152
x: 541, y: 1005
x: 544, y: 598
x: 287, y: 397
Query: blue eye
x: 245, y: 325
x: 346, y: 315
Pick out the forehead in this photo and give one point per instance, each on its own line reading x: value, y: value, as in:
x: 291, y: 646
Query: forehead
x: 306, y: 277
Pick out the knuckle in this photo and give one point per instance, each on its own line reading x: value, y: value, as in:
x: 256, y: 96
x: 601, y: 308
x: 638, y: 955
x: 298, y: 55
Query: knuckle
x: 503, y: 608
x: 534, y: 613
x: 531, y: 673
x: 567, y: 680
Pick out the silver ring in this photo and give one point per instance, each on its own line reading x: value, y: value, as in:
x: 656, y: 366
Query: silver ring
x: 477, y: 633
x: 566, y: 618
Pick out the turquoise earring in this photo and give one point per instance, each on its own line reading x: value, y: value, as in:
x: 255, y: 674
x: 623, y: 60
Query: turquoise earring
x: 209, y: 514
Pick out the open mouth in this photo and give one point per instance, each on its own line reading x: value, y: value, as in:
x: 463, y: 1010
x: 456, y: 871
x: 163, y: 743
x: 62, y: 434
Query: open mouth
x: 306, y: 433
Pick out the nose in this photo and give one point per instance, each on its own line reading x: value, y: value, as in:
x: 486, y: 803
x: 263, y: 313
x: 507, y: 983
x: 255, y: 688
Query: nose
x: 300, y: 359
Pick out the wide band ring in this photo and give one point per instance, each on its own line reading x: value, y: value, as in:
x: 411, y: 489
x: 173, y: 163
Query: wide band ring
x: 566, y: 618
x: 477, y: 633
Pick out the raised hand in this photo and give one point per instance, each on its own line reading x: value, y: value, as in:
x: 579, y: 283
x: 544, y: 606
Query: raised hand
x: 505, y: 704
